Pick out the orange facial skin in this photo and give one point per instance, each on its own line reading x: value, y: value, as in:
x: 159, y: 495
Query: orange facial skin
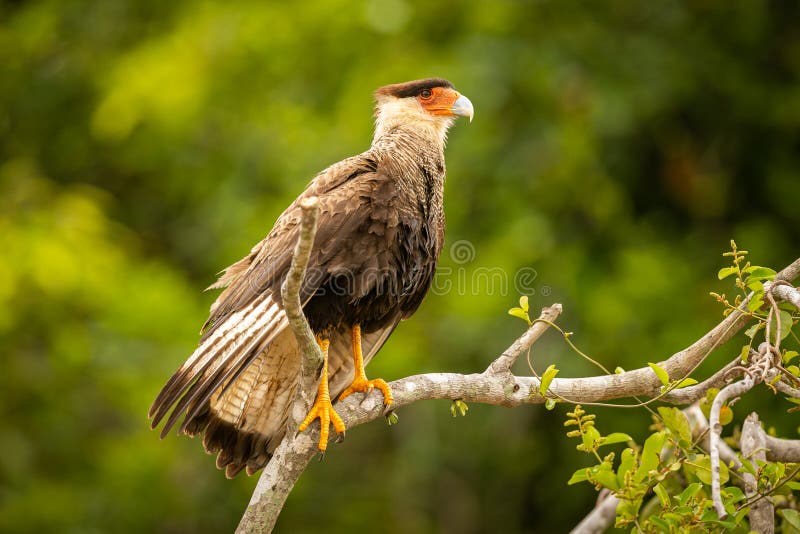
x: 440, y: 101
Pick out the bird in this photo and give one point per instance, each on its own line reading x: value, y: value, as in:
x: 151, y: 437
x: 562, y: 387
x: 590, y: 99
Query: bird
x: 380, y: 231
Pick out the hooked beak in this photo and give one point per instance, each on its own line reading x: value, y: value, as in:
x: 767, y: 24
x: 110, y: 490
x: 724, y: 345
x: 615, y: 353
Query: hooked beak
x: 462, y: 107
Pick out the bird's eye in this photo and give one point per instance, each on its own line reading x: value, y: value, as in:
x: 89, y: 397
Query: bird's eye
x: 425, y: 93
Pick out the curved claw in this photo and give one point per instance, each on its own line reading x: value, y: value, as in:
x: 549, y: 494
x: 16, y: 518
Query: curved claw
x: 323, y: 410
x: 362, y: 385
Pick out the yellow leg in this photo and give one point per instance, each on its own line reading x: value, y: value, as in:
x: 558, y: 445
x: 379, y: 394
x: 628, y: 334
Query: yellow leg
x: 322, y: 408
x: 360, y: 382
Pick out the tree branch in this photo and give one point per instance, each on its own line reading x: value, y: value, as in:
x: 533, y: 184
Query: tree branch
x: 506, y: 360
x: 727, y: 393
x: 600, y: 518
x: 290, y: 293
x: 292, y: 455
x: 784, y: 291
x: 496, y: 386
x: 753, y: 443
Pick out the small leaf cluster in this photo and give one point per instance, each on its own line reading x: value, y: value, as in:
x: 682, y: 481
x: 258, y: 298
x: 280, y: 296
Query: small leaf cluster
x: 663, y: 485
x: 748, y: 278
x: 771, y: 317
x: 591, y: 438
x: 522, y: 311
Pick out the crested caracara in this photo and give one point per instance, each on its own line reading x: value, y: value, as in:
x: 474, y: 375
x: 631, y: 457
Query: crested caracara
x: 379, y: 234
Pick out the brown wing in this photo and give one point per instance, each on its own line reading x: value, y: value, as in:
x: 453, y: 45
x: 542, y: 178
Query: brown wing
x: 266, y: 265
x: 238, y: 384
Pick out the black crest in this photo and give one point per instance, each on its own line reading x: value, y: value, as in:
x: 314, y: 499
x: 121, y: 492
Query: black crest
x: 407, y: 89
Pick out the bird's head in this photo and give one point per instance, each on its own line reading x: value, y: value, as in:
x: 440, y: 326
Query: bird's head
x: 429, y: 106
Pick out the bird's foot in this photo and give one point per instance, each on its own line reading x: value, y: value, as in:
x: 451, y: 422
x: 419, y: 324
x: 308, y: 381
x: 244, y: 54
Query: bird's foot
x: 323, y: 410
x: 361, y: 384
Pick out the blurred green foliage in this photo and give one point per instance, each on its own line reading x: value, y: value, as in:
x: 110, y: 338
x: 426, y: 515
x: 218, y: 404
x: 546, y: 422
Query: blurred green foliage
x: 144, y: 145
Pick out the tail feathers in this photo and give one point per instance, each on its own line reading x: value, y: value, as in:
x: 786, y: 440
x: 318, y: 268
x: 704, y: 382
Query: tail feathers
x: 237, y: 388
x: 246, y: 421
x: 217, y: 362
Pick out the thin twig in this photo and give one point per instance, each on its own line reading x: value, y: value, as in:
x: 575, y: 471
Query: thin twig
x: 538, y: 327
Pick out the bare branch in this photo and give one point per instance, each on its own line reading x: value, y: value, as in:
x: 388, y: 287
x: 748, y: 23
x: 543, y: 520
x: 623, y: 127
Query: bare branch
x: 696, y: 392
x: 727, y: 393
x: 293, y: 454
x: 782, y: 450
x: 290, y: 293
x: 600, y: 518
x: 753, y: 443
x: 789, y: 273
x: 506, y: 360
x: 783, y: 387
x: 784, y: 291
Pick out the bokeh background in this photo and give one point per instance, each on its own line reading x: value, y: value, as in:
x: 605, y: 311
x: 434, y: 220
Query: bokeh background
x: 144, y: 145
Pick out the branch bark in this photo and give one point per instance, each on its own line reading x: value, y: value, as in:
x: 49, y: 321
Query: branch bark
x: 726, y: 394
x: 753, y: 447
x: 784, y: 291
x: 600, y: 518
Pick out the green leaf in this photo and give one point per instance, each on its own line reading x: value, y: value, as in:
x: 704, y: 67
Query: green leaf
x: 732, y: 495
x: 662, y: 375
x: 760, y: 273
x: 604, y: 476
x: 626, y: 463
x: 690, y: 491
x: 547, y: 377
x: 791, y: 516
x: 751, y: 332
x: 619, y: 371
x: 579, y: 476
x: 675, y: 420
x: 726, y: 272
x: 550, y: 403
x: 662, y: 525
x: 663, y: 496
x: 650, y: 455
x: 756, y: 302
x: 789, y: 355
x: 703, y: 470
x: 590, y: 436
x: 520, y: 313
x: 616, y: 437
x: 738, y: 516
x: 785, y: 320
x: 686, y: 382
x: 459, y: 407
x: 744, y: 354
x: 523, y: 303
